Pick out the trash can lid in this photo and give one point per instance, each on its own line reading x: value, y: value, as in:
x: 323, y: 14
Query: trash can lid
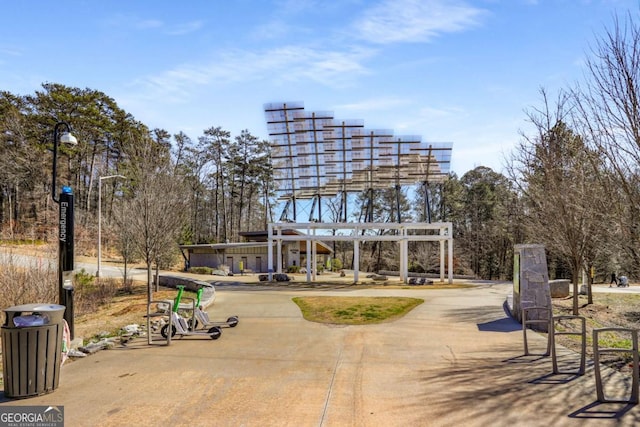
x: 39, y: 307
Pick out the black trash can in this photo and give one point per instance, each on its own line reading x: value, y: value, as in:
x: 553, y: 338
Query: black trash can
x: 32, y: 349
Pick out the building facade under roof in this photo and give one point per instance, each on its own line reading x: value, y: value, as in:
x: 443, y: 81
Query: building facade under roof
x: 251, y: 255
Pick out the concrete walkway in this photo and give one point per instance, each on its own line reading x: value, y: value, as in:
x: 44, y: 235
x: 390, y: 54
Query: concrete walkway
x: 455, y: 360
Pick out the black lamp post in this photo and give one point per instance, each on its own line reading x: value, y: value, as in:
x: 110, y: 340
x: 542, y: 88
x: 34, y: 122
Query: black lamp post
x: 65, y: 230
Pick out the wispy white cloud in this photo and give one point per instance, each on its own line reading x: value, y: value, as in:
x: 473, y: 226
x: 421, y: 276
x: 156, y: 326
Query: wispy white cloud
x: 147, y: 24
x: 374, y: 104
x: 130, y: 22
x: 271, y: 30
x: 301, y: 18
x: 10, y: 51
x: 281, y: 65
x: 427, y: 119
x: 432, y: 113
x: 293, y: 63
x: 121, y: 21
x: 186, y: 28
x: 429, y: 115
x: 296, y: 6
x: 396, y: 21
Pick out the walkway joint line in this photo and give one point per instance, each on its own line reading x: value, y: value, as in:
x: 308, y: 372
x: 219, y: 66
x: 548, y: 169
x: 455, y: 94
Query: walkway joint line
x: 333, y: 377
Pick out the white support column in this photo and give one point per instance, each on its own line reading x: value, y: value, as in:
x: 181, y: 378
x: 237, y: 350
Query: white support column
x: 270, y: 251
x: 400, y: 266
x: 405, y: 265
x: 314, y: 259
x: 308, y: 260
x: 450, y: 259
x: 356, y: 260
x: 400, y: 261
x: 279, y: 256
x: 442, y: 264
x: 442, y: 255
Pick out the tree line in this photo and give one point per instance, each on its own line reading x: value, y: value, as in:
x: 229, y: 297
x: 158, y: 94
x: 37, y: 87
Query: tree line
x: 221, y: 175
x: 174, y: 190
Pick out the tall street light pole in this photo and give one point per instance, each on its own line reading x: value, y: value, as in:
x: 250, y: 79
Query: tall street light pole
x: 65, y: 227
x: 100, y: 218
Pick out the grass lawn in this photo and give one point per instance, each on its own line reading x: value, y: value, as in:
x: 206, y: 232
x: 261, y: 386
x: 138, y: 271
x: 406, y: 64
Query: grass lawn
x: 355, y: 310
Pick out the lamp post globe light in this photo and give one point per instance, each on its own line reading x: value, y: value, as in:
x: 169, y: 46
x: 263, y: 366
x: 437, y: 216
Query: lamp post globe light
x: 100, y: 218
x: 65, y: 227
x: 65, y: 138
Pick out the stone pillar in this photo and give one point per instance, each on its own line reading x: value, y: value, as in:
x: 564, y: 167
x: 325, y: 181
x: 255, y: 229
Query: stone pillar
x: 531, y: 283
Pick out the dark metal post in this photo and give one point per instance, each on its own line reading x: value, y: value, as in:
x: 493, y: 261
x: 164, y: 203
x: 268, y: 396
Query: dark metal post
x: 398, y: 188
x: 66, y: 255
x: 65, y: 232
x: 427, y: 203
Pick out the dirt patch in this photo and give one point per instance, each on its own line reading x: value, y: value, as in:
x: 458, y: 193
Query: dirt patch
x: 123, y: 310
x: 131, y: 308
x: 608, y: 310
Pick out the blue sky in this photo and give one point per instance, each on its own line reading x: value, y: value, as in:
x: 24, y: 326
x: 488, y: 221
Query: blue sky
x: 451, y: 71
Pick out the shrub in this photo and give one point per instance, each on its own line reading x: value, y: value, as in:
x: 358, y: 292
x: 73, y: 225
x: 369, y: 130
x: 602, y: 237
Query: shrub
x: 82, y: 278
x: 91, y: 292
x: 24, y: 284
x: 293, y: 269
x: 127, y: 286
x: 415, y: 267
x: 201, y: 270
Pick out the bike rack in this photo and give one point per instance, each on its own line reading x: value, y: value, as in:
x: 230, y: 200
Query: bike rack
x: 162, y: 314
x: 525, y: 322
x: 597, y: 351
x: 582, y: 332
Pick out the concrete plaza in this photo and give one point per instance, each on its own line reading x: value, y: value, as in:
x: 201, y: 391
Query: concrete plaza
x: 456, y: 360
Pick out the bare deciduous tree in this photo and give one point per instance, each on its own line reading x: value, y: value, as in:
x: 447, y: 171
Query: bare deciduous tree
x: 557, y: 176
x: 608, y: 104
x: 155, y: 210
